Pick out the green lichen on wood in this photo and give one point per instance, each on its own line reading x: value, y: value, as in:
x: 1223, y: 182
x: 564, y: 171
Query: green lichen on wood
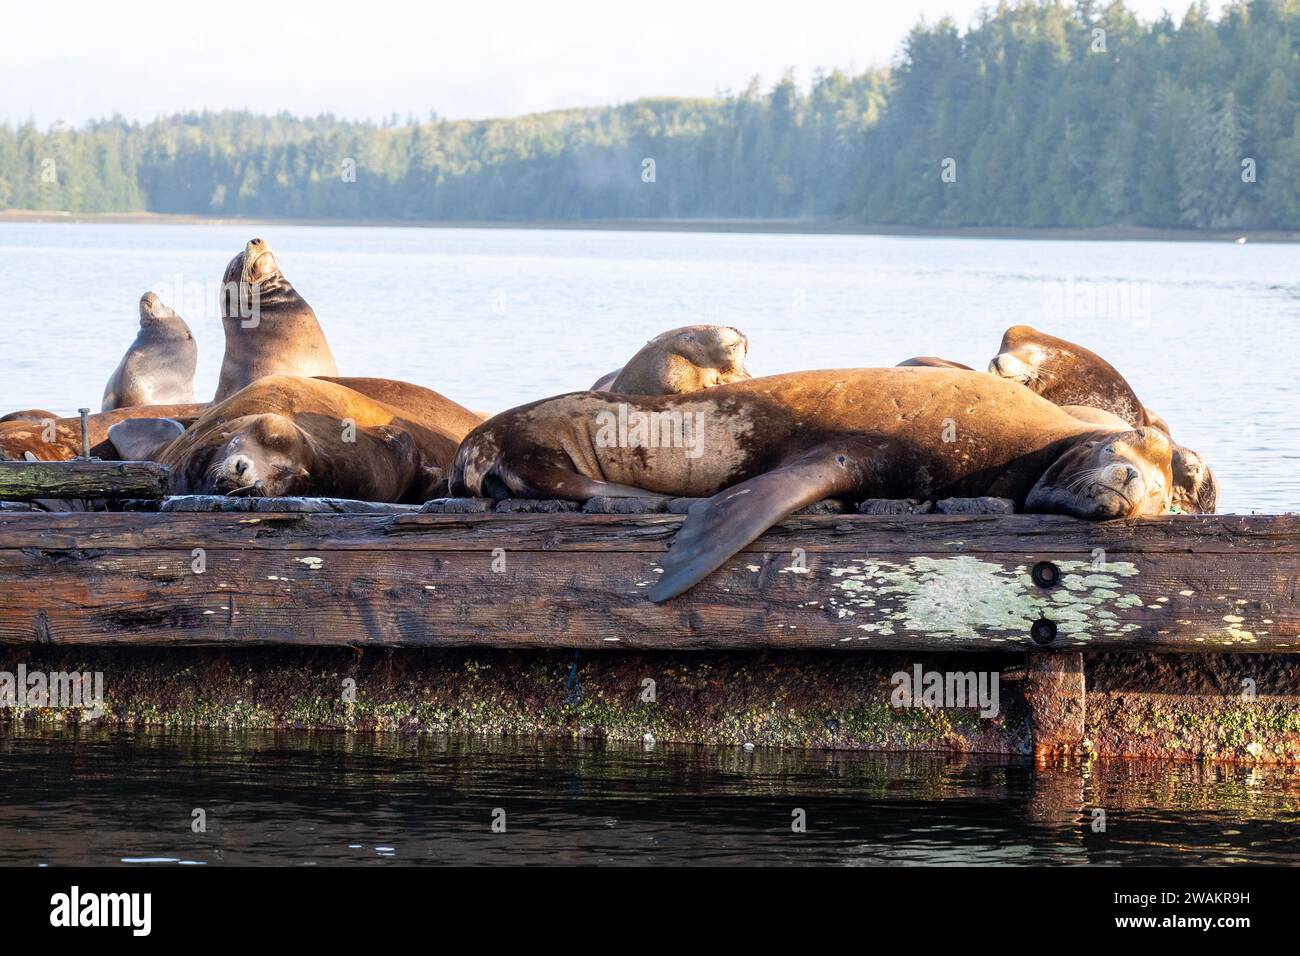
x: 965, y: 597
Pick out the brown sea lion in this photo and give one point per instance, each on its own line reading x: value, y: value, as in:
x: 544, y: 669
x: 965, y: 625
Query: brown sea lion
x: 932, y: 361
x: 144, y: 439
x: 27, y: 415
x: 426, y: 405
x: 59, y: 439
x: 681, y: 360
x: 270, y: 329
x: 769, y: 446
x: 158, y: 368
x: 288, y: 435
x: 1077, y: 379
x: 1068, y: 374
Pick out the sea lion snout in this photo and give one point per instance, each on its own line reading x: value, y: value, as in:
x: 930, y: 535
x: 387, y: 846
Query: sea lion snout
x: 153, y: 309
x: 1007, y: 365
x: 259, y: 262
x: 1135, y: 467
x: 234, y: 472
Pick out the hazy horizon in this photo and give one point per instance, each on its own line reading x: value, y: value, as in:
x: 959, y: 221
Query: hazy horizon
x: 369, y: 62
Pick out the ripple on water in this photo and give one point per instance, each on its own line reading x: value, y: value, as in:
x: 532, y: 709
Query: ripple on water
x: 100, y: 797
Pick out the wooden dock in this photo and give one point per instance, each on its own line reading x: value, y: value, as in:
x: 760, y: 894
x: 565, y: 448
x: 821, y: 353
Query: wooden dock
x: 1220, y: 583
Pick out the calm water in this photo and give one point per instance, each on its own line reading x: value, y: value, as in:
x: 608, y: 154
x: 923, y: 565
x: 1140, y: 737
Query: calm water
x: 1206, y: 332
x: 299, y: 798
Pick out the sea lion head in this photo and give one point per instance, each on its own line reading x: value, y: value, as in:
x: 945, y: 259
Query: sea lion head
x: 1066, y: 374
x: 156, y: 317
x: 265, y: 455
x: 720, y: 348
x: 683, y: 360
x: 260, y: 265
x: 1022, y: 356
x: 256, y: 268
x: 1115, y: 474
x: 1195, y: 489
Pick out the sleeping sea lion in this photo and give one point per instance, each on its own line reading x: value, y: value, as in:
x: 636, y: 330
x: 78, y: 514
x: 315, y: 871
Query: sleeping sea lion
x: 158, y: 368
x: 1195, y: 489
x: 270, y: 329
x: 287, y: 435
x: 1075, y: 378
x: 1068, y: 374
x: 769, y: 446
x: 681, y: 360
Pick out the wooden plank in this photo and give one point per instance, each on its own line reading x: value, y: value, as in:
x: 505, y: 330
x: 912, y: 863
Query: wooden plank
x: 852, y: 534
x: 390, y: 581
x: 30, y: 480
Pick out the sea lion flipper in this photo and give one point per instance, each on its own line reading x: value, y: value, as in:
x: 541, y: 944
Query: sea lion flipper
x: 143, y: 439
x: 717, y: 528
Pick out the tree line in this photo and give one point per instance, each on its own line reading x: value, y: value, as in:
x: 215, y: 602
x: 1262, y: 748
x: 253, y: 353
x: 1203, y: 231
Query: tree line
x: 1042, y: 113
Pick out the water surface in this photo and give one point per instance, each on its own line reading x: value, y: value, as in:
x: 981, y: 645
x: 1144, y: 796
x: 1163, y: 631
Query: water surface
x: 300, y: 798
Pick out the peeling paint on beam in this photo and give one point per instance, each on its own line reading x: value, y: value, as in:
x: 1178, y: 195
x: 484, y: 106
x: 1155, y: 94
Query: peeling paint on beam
x: 969, y: 598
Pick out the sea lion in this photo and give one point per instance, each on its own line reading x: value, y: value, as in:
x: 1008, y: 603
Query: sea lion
x: 1068, y: 374
x: 59, y: 439
x: 158, y: 368
x: 932, y: 361
x: 270, y: 329
x: 769, y: 446
x: 681, y: 360
x: 289, y: 435
x: 427, y: 406
x: 49, y: 439
x: 1091, y: 388
x: 27, y: 415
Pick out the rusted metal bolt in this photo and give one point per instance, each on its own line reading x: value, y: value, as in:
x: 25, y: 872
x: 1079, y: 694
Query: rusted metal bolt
x: 1046, y: 574
x: 85, y: 432
x: 1043, y: 631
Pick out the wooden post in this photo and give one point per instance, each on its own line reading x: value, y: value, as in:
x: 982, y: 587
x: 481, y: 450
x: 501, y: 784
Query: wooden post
x: 1054, y: 687
x: 29, y: 480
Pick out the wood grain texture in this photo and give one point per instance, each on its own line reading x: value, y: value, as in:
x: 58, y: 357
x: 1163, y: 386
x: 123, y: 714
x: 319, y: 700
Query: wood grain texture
x: 1204, y: 583
x: 30, y: 480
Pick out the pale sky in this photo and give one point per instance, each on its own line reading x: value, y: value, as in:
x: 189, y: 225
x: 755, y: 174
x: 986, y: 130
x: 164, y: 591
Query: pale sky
x: 84, y: 59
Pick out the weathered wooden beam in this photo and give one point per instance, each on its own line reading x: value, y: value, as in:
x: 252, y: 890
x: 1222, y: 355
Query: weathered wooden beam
x: 1203, y: 535
x: 29, y: 480
x: 1054, y: 688
x: 1205, y: 583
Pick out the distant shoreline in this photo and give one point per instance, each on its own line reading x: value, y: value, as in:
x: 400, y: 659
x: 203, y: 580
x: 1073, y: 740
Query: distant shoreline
x: 786, y: 226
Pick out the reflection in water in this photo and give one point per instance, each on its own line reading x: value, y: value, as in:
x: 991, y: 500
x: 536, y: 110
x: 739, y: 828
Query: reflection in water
x: 101, y: 797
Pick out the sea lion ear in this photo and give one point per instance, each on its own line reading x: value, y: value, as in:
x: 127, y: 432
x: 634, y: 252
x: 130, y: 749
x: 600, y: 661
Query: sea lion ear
x: 144, y: 439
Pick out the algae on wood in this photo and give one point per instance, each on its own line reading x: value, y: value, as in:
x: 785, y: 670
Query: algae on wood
x: 30, y: 480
